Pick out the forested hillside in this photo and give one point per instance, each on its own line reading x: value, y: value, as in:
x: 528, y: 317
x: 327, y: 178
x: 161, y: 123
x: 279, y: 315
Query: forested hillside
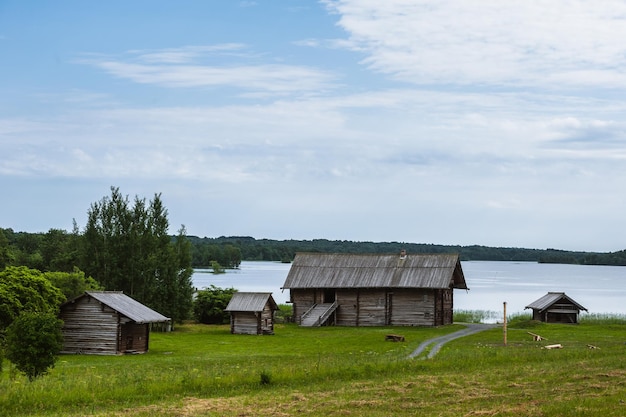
x: 285, y: 250
x: 56, y: 250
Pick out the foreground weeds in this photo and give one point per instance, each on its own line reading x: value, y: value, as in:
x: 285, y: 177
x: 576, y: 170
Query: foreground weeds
x: 205, y: 371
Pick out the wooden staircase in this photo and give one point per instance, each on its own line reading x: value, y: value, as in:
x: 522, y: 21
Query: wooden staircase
x: 318, y: 314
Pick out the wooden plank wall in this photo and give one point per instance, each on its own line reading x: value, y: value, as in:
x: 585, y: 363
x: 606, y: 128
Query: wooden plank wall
x: 267, y: 318
x: 413, y: 307
x: 448, y: 305
x: 244, y: 322
x: 381, y: 307
x: 302, y: 300
x: 134, y: 337
x: 347, y: 314
x: 89, y: 328
x: 371, y: 307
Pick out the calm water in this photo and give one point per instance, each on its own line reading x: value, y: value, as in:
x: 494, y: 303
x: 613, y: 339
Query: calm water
x: 601, y: 289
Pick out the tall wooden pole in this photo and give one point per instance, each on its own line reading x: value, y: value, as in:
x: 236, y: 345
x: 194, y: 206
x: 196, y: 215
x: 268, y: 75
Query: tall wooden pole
x: 504, y: 326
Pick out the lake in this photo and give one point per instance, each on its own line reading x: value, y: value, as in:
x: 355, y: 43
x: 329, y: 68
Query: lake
x: 601, y: 289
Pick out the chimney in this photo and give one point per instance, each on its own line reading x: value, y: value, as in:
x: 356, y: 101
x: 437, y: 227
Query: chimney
x: 403, y: 254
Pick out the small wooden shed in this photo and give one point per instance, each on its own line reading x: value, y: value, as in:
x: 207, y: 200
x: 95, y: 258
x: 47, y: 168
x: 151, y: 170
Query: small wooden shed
x: 556, y: 307
x: 374, y: 289
x: 107, y: 323
x: 252, y: 313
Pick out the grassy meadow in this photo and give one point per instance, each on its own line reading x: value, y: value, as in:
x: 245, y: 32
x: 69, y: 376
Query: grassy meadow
x: 201, y: 370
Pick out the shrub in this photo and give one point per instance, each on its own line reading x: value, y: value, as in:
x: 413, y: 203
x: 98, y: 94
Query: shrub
x: 23, y: 289
x: 266, y: 378
x: 475, y: 316
x: 209, y: 305
x: 600, y: 318
x: 33, y: 342
x: 284, y: 314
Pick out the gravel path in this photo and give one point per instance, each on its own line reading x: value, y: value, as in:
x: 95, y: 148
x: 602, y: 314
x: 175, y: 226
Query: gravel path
x: 438, y: 342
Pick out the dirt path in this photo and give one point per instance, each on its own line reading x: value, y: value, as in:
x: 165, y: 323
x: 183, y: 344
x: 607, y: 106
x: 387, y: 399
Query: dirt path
x: 438, y: 342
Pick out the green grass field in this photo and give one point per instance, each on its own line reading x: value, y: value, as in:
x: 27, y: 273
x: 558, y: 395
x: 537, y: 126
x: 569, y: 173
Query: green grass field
x: 203, y: 370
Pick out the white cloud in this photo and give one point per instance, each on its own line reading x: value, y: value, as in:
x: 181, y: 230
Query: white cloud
x: 186, y: 54
x: 532, y: 43
x: 182, y: 68
x: 274, y: 78
x: 372, y: 137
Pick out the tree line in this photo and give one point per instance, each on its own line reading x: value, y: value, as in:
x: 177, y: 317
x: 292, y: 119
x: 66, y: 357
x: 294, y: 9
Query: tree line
x: 285, y: 250
x: 60, y: 250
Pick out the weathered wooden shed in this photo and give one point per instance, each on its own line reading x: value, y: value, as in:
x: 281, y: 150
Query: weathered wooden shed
x: 556, y: 307
x: 374, y: 290
x: 107, y: 323
x: 252, y: 313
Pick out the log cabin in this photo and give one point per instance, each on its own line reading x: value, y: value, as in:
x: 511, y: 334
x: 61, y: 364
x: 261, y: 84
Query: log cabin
x: 374, y: 290
x: 107, y: 323
x: 251, y: 313
x: 556, y: 307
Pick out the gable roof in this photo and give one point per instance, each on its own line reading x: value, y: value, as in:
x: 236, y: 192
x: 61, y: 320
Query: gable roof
x: 549, y: 299
x: 318, y: 270
x: 125, y: 305
x: 251, y: 301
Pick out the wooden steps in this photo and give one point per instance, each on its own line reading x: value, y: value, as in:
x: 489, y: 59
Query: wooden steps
x: 318, y: 315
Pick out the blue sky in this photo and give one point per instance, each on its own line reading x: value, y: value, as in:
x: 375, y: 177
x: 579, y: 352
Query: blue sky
x: 491, y: 123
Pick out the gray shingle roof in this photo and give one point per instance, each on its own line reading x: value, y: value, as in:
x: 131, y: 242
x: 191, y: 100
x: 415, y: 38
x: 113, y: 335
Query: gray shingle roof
x: 549, y: 299
x: 251, y: 301
x: 315, y: 270
x: 127, y: 306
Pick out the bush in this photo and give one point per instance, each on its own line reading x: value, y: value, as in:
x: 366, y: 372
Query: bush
x: 284, y: 314
x: 475, y: 316
x: 33, y: 342
x: 209, y: 305
x: 266, y: 378
x: 23, y: 289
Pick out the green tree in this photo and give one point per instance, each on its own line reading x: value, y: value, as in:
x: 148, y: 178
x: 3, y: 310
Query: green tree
x: 209, y: 305
x: 5, y: 251
x: 217, y: 268
x: 73, y: 284
x: 27, y: 251
x: 232, y: 256
x: 184, y: 287
x: 26, y: 290
x: 33, y: 342
x: 127, y: 248
x: 59, y: 249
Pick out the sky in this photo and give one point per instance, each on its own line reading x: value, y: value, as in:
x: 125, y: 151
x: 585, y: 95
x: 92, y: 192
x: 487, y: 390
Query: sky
x: 497, y: 123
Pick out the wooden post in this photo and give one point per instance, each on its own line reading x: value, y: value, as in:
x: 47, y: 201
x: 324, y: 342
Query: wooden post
x: 504, y: 325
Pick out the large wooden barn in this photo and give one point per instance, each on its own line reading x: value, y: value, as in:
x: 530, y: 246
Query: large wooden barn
x: 252, y: 313
x: 107, y: 323
x: 374, y: 290
x: 556, y: 307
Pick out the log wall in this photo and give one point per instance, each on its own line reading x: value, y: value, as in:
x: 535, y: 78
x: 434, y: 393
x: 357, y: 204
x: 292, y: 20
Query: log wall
x: 372, y: 308
x: 381, y: 307
x: 134, y: 338
x: 347, y: 314
x: 90, y: 327
x: 244, y: 322
x: 413, y: 307
x: 267, y: 319
x: 250, y: 322
x: 302, y: 300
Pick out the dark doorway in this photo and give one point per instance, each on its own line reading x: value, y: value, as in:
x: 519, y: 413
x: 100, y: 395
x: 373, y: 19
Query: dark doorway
x: 329, y: 296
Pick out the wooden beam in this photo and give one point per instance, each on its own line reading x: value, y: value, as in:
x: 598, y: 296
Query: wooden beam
x: 536, y: 337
